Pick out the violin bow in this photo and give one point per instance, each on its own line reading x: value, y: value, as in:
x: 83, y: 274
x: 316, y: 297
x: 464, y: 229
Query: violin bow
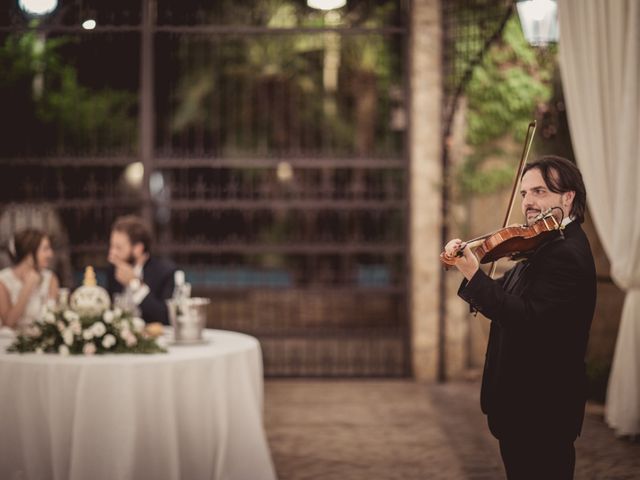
x: 531, y: 130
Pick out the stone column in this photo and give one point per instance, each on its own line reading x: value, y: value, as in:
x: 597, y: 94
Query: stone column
x: 425, y: 184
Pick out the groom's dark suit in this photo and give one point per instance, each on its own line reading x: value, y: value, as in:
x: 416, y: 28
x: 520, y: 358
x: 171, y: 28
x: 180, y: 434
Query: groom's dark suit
x: 534, y: 381
x: 157, y: 274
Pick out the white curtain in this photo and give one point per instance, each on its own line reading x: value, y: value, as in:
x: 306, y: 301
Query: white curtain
x: 600, y: 66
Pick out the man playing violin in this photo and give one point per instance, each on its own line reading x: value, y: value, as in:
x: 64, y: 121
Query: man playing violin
x: 534, y: 380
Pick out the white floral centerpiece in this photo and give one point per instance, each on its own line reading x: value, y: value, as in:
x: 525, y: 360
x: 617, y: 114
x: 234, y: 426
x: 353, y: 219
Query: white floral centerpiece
x: 86, y: 327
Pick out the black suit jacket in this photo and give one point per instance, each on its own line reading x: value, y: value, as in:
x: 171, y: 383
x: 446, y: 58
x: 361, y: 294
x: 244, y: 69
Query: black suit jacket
x: 534, y: 380
x: 157, y: 274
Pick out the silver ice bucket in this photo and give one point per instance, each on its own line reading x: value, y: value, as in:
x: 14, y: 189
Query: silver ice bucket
x: 188, y: 318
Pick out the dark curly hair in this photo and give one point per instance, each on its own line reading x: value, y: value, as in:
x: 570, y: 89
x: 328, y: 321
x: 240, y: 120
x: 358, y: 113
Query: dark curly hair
x: 562, y: 175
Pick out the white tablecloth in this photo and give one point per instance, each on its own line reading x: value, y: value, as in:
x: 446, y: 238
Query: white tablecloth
x: 194, y: 413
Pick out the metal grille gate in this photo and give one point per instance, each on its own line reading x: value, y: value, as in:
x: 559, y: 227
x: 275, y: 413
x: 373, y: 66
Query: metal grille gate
x: 265, y: 143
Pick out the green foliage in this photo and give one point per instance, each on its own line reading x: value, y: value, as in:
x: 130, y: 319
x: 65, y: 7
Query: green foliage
x: 74, y: 113
x: 266, y: 72
x: 475, y: 179
x: 22, y: 55
x: 502, y: 97
x: 506, y: 88
x: 104, y: 115
x: 372, y: 53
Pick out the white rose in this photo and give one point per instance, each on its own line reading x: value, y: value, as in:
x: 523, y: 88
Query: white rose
x: 162, y: 342
x: 68, y: 315
x: 63, y: 350
x: 34, y: 331
x: 107, y: 316
x: 130, y: 339
x: 89, y: 348
x: 98, y: 329
x: 138, y: 324
x: 43, y: 314
x: 117, y: 312
x: 108, y: 341
x: 50, y: 318
x: 75, y: 327
x: 67, y: 337
x: 73, y: 316
x: 87, y: 334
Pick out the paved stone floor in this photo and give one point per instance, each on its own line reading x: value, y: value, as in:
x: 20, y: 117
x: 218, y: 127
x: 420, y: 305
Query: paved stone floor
x: 399, y: 429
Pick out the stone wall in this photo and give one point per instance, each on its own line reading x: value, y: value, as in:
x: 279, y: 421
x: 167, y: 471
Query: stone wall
x: 425, y: 184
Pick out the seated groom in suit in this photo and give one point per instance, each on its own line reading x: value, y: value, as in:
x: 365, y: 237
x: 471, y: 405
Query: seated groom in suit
x: 148, y: 280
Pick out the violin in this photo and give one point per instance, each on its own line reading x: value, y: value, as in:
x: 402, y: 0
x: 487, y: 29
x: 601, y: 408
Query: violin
x: 514, y: 241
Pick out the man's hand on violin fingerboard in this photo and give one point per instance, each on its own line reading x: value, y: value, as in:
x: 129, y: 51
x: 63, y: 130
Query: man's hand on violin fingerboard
x: 467, y: 263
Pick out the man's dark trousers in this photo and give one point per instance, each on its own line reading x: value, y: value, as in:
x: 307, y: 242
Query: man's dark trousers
x: 537, y: 459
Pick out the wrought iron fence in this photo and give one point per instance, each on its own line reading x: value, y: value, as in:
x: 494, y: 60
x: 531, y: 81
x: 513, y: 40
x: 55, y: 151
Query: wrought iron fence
x: 265, y: 141
x: 469, y: 28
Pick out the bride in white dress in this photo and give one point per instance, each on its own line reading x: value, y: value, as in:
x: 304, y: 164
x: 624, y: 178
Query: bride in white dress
x: 26, y: 286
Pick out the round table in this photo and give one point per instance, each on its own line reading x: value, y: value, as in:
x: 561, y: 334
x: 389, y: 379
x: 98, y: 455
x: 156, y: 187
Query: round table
x: 194, y: 413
